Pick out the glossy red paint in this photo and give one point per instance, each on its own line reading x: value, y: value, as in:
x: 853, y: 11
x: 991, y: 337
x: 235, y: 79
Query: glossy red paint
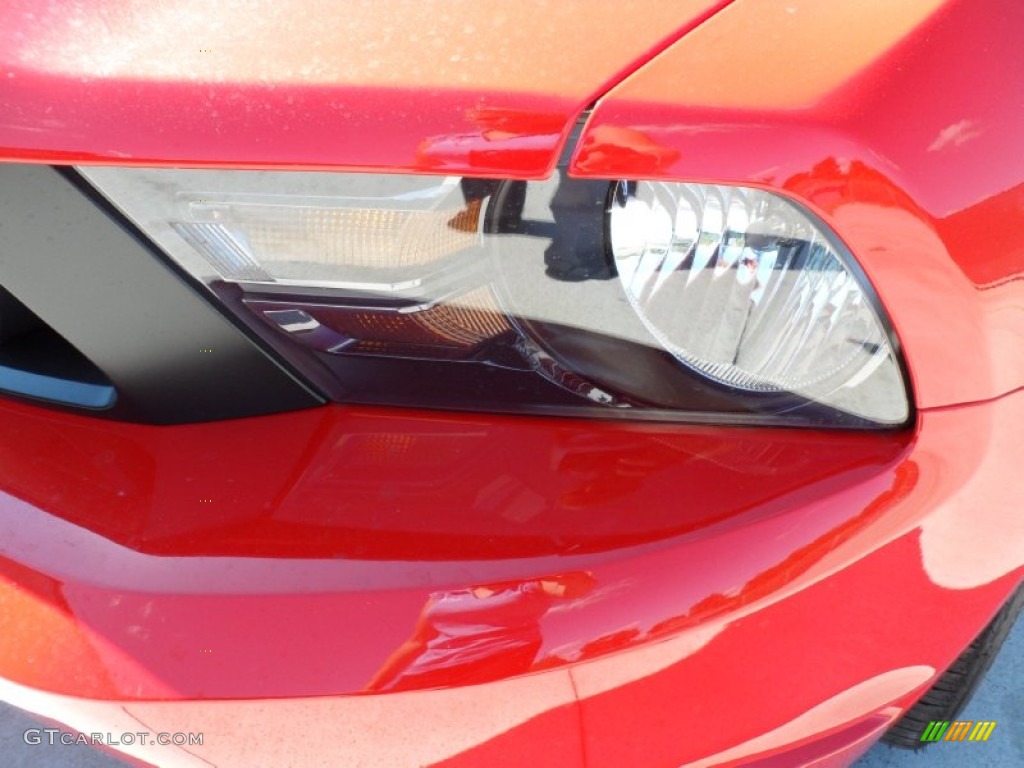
x: 298, y: 519
x: 406, y: 588
x: 462, y: 86
x: 700, y: 581
x: 913, y: 156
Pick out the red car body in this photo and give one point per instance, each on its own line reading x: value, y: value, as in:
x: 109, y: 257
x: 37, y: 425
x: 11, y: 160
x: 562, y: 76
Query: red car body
x: 685, y: 595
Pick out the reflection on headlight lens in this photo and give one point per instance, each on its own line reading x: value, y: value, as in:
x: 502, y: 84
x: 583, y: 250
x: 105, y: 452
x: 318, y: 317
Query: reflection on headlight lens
x: 645, y: 299
x: 742, y: 286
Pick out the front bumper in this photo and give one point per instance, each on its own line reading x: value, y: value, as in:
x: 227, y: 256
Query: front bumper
x: 746, y: 592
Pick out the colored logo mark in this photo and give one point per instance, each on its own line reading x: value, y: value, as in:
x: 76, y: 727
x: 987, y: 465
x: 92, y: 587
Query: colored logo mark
x: 958, y: 730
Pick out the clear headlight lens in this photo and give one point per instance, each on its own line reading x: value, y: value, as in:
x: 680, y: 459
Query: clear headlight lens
x: 330, y: 241
x: 744, y: 287
x: 638, y: 299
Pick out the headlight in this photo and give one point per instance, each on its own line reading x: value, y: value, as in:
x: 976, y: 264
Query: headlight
x: 744, y: 287
x: 639, y: 299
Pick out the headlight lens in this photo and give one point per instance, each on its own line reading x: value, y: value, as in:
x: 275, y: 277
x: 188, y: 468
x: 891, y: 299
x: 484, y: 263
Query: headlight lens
x: 744, y: 287
x: 640, y: 299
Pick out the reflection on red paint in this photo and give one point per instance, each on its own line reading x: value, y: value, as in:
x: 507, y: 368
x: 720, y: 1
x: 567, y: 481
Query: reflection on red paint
x: 502, y: 139
x: 314, y: 507
x: 607, y: 150
x: 833, y: 182
x: 475, y: 635
x: 396, y: 484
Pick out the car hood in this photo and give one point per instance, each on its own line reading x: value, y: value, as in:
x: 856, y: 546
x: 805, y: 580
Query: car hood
x: 467, y: 86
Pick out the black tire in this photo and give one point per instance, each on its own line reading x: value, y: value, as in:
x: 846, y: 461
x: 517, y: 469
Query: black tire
x: 951, y: 692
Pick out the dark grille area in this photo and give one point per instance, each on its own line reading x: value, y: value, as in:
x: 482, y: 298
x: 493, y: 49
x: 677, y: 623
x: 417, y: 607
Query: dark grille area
x: 97, y: 319
x: 37, y: 362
